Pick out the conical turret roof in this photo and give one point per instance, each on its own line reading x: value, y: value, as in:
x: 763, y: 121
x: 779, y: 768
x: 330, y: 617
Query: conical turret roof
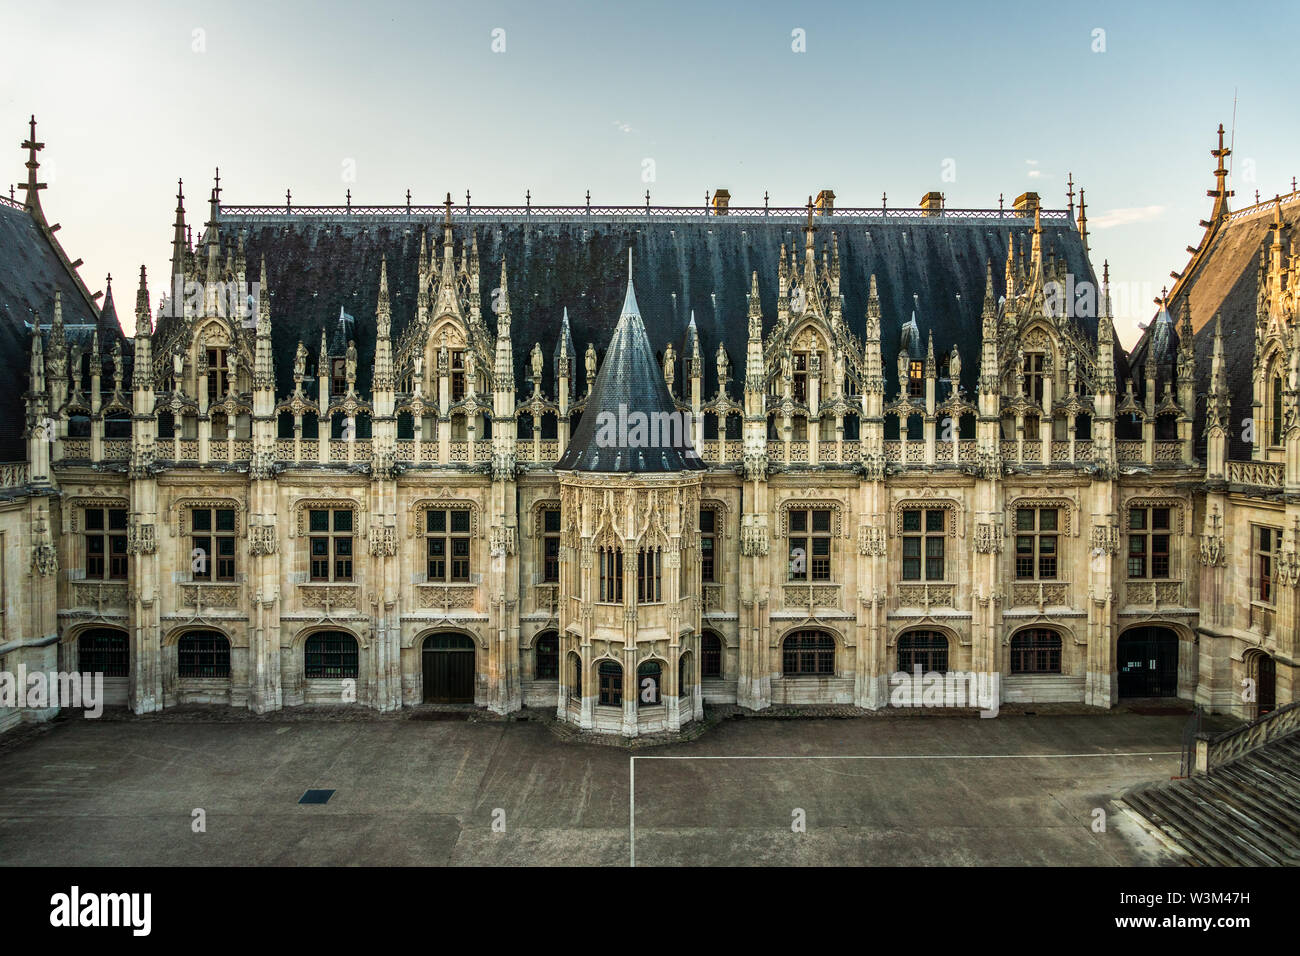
x: 630, y: 423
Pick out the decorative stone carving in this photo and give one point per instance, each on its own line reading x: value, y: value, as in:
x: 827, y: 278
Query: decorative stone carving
x: 753, y: 538
x: 328, y: 596
x: 988, y: 538
x: 262, y: 539
x: 45, y: 559
x: 501, y: 540
x: 209, y: 595
x: 1105, y: 538
x: 140, y: 538
x: 383, y: 541
x: 871, y: 540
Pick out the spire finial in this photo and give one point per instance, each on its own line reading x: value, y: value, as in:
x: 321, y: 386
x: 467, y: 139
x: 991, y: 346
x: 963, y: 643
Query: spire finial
x: 33, y: 187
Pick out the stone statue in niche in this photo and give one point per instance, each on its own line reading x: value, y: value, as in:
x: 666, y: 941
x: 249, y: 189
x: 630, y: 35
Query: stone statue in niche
x: 300, y: 363
x: 351, y: 363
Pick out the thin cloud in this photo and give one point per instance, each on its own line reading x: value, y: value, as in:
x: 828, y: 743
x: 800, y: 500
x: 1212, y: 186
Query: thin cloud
x: 1126, y: 217
x: 624, y: 127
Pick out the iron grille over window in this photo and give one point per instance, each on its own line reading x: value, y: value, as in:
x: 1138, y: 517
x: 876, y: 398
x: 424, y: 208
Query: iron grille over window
x: 1036, y: 651
x: 807, y: 653
x: 710, y: 655
x: 104, y: 651
x: 926, y: 649
x: 330, y: 654
x: 203, y: 654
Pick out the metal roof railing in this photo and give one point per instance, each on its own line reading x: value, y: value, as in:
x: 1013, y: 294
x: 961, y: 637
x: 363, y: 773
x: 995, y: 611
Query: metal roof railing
x: 847, y: 215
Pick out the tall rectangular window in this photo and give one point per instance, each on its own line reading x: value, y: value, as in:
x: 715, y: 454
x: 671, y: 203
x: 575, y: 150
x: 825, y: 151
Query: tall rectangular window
x: 105, y: 543
x: 551, y: 544
x: 810, y: 544
x: 218, y: 375
x: 1265, y: 543
x: 708, y: 544
x: 447, y: 544
x: 212, y: 555
x: 611, y: 575
x: 331, y: 544
x: 1148, y: 543
x: 457, y: 376
x: 923, y: 544
x: 649, y: 586
x: 1037, y: 543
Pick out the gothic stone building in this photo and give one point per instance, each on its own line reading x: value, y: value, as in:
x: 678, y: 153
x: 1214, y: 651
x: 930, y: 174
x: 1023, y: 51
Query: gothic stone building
x: 354, y: 457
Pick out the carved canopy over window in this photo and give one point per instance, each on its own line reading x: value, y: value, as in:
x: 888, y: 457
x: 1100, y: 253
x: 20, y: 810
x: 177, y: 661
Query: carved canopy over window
x: 1175, y: 506
x: 1066, y: 506
x: 184, y: 507
x: 302, y: 506
x: 951, y: 505
x: 805, y: 504
x: 419, y: 524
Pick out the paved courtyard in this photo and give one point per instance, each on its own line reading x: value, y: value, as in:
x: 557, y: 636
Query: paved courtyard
x: 935, y: 791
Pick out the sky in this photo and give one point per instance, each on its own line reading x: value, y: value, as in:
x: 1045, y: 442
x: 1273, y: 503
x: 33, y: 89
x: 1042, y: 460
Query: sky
x: 973, y: 99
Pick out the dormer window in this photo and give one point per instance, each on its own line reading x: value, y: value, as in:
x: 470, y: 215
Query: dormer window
x: 1034, y: 377
x: 916, y: 379
x: 218, y: 375
x: 338, y: 377
x: 457, y: 376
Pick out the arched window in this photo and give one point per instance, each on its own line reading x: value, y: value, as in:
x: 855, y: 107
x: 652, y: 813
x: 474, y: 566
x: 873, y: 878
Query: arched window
x: 611, y: 575
x: 926, y: 649
x: 1036, y: 651
x: 710, y: 655
x: 547, y: 663
x: 611, y: 684
x: 1275, y: 430
x: 203, y: 654
x: 330, y: 654
x: 575, y: 684
x: 649, y: 682
x: 104, y: 651
x: 685, y: 677
x: 808, y: 654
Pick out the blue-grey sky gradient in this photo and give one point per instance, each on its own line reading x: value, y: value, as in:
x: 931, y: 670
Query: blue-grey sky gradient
x: 1008, y: 97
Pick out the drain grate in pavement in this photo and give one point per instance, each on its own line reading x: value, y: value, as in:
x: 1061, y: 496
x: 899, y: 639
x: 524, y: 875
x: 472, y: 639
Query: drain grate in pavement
x: 316, y: 796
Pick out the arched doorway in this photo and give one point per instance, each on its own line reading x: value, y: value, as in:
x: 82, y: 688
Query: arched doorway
x: 1146, y: 660
x: 104, y: 650
x: 1262, y: 669
x: 546, y: 661
x: 926, y: 649
x: 448, y: 669
x: 808, y: 654
x: 203, y: 655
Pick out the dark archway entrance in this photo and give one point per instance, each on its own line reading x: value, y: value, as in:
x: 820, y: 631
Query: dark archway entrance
x: 1146, y: 659
x: 1266, y: 686
x: 448, y: 669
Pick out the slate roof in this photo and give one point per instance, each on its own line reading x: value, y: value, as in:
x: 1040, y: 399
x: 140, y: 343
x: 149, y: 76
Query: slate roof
x: 1226, y: 282
x: 32, y: 269
x: 630, y: 380
x: 321, y: 263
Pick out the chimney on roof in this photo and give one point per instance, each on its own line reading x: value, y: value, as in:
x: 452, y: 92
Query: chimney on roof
x: 721, y: 197
x: 826, y: 202
x: 1026, y: 204
x: 932, y: 204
